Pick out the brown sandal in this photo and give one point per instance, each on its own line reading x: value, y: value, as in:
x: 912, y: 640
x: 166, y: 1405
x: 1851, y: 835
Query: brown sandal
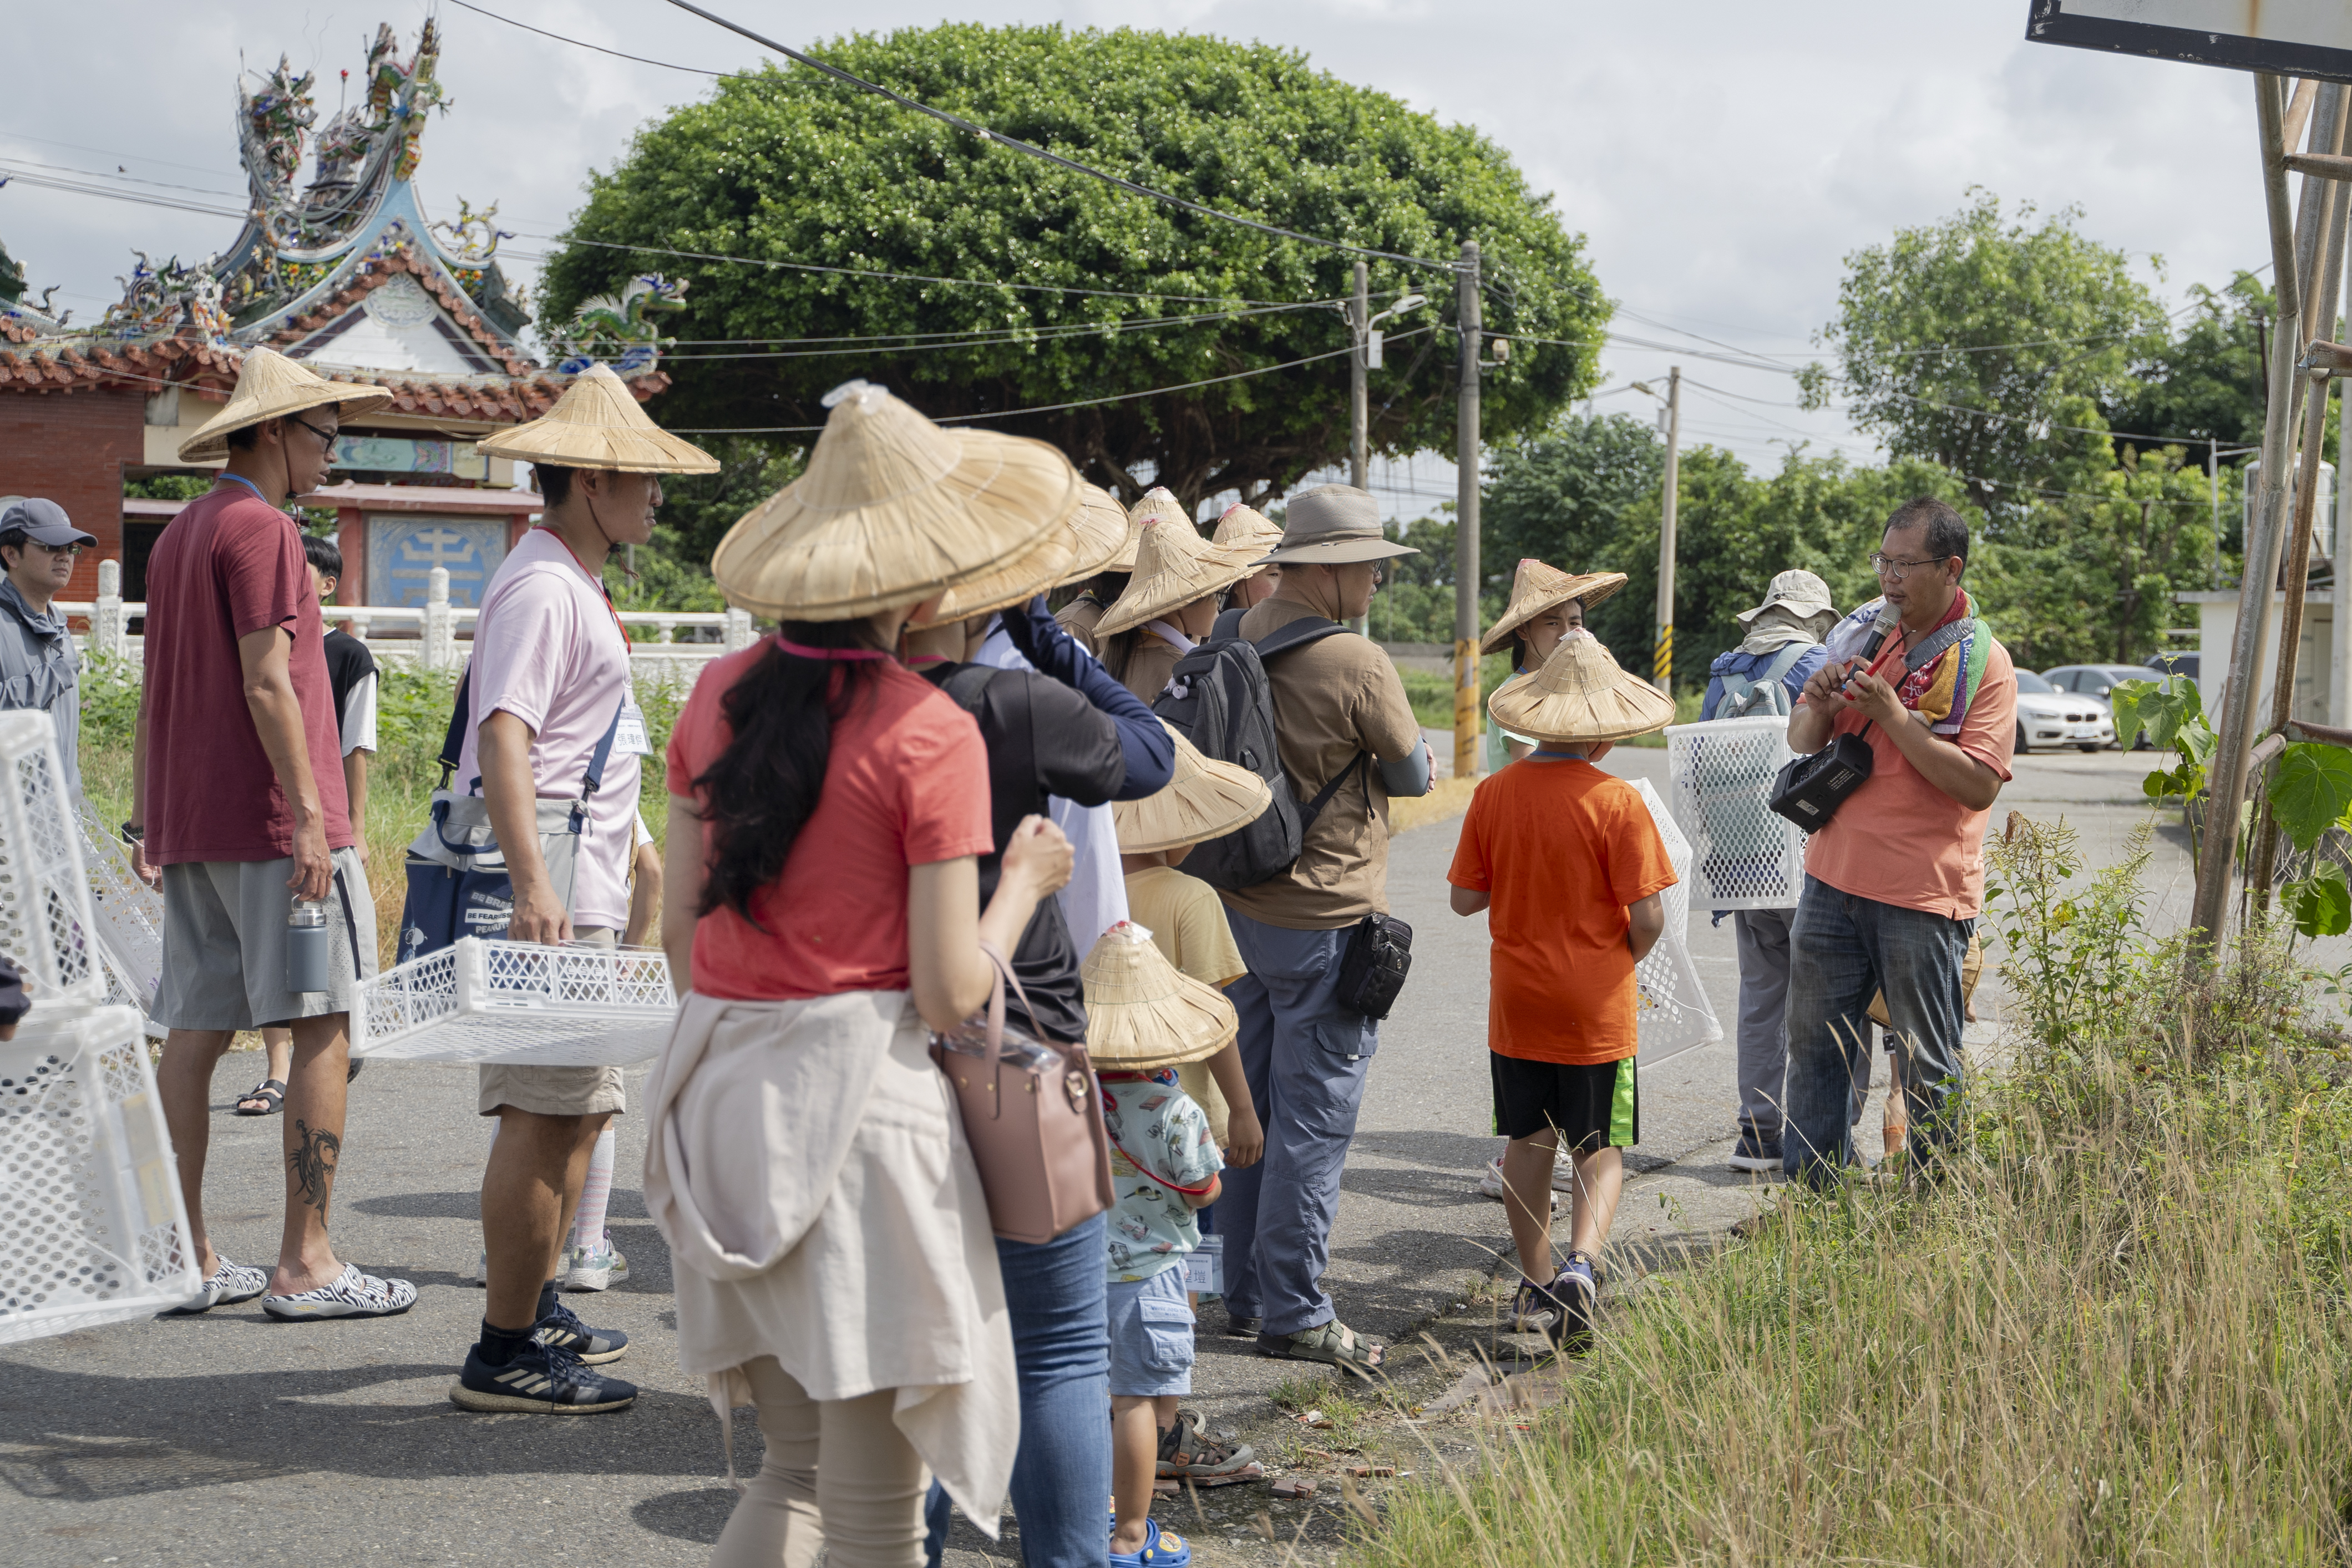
x: 1332, y: 1343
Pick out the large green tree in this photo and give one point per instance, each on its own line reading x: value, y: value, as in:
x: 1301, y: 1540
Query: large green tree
x: 790, y: 165
x: 1977, y: 341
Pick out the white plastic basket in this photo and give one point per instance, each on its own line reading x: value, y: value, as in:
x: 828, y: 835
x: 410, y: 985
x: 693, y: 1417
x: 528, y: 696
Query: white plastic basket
x: 499, y: 1001
x: 1719, y: 776
x: 1674, y: 1015
x: 44, y: 910
x: 92, y: 1230
x: 127, y: 916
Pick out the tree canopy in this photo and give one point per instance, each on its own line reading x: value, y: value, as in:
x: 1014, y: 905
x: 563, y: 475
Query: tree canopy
x: 787, y: 165
x: 1977, y: 340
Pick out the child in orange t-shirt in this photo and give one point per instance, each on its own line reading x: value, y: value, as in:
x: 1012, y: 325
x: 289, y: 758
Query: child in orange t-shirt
x: 1569, y: 866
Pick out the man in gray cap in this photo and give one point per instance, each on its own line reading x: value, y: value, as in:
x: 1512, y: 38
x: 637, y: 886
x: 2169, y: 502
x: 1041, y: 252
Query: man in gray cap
x: 39, y: 667
x: 1340, y: 717
x: 1766, y: 674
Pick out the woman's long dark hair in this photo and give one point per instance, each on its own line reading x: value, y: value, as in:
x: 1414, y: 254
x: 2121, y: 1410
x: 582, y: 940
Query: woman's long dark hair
x: 765, y: 785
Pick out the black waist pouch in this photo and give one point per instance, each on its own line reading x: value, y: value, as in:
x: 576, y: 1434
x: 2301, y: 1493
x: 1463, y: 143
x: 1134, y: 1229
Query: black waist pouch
x: 1810, y: 790
x: 1373, y: 965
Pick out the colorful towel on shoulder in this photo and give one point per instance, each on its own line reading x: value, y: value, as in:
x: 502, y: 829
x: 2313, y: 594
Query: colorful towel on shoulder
x: 1940, y: 690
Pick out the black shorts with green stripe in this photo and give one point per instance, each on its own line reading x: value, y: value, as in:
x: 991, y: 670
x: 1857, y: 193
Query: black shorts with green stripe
x: 1594, y: 1106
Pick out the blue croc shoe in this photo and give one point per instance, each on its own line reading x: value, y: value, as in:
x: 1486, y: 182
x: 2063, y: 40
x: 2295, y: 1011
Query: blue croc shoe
x: 1161, y: 1549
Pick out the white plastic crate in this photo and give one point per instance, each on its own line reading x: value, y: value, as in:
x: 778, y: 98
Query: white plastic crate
x: 495, y: 1000
x: 45, y: 909
x: 1674, y: 1015
x: 92, y: 1230
x: 1719, y: 776
x: 127, y: 916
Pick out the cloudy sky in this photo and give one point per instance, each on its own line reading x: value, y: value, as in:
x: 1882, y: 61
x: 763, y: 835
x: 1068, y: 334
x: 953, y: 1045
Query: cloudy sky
x: 1721, y: 158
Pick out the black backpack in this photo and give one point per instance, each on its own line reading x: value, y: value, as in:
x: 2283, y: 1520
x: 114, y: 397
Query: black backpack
x: 1227, y: 711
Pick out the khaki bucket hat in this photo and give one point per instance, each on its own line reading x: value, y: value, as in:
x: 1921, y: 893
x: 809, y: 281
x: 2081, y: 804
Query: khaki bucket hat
x: 1203, y: 799
x: 598, y: 423
x: 1173, y: 567
x: 1581, y: 694
x: 891, y: 510
x: 1536, y: 588
x: 1803, y: 596
x: 1143, y: 1012
x: 1158, y: 503
x: 1332, y: 525
x: 269, y: 385
x: 1075, y: 547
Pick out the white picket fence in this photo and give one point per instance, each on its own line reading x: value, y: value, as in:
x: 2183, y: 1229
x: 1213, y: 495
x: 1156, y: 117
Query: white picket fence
x: 434, y: 635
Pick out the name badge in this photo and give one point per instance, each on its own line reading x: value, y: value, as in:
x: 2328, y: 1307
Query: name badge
x: 630, y: 736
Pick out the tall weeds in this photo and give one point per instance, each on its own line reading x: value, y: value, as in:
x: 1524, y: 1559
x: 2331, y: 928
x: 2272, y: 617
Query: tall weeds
x: 2112, y: 1332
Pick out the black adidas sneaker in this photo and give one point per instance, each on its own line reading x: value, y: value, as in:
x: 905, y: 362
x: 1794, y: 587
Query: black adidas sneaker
x: 563, y: 1330
x: 540, y: 1379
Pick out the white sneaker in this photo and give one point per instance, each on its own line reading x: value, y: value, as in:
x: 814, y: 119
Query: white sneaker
x: 1490, y: 1183
x: 596, y: 1268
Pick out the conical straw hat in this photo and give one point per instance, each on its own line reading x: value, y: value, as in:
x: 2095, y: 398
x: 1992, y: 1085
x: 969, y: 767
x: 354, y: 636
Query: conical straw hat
x: 269, y: 384
x: 1246, y: 525
x: 1174, y: 566
x: 598, y: 423
x: 891, y: 510
x: 1536, y: 588
x: 1203, y: 799
x: 1143, y: 1012
x: 1158, y: 502
x: 1096, y: 525
x: 1580, y: 695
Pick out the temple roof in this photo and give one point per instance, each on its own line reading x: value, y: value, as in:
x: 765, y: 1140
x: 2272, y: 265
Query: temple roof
x: 346, y: 274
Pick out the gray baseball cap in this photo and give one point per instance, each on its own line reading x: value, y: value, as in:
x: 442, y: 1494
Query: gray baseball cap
x: 45, y: 522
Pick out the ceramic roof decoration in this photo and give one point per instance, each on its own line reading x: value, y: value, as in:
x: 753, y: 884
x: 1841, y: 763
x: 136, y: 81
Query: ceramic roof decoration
x: 343, y: 273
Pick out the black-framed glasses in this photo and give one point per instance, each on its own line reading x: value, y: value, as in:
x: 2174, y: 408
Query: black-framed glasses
x: 326, y: 438
x: 1894, y: 570
x: 55, y: 549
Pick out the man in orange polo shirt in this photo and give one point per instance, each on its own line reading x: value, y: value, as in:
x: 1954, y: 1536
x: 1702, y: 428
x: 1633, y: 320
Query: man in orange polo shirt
x: 1895, y: 881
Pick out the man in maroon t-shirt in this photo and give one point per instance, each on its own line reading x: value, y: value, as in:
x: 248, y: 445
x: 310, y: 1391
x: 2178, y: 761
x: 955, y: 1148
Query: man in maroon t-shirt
x: 238, y: 811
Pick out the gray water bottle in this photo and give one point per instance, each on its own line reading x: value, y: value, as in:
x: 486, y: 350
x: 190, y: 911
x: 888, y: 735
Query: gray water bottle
x: 306, y: 947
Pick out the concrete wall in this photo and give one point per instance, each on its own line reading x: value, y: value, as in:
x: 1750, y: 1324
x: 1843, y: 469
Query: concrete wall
x: 2217, y: 621
x: 71, y: 447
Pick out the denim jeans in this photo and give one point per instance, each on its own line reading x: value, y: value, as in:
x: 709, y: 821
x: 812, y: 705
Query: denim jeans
x: 1842, y: 950
x: 1055, y: 1295
x: 1306, y: 1058
x: 1762, y: 938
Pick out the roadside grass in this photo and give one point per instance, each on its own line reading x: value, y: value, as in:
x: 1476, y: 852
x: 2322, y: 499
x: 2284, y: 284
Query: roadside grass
x: 2113, y: 1328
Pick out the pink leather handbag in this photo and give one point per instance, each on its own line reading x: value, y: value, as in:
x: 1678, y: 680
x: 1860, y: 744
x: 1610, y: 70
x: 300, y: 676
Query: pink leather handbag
x: 1033, y: 1117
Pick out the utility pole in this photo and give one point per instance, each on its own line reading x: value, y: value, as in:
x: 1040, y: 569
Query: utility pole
x: 1358, y: 365
x: 1663, y: 662
x: 1467, y: 715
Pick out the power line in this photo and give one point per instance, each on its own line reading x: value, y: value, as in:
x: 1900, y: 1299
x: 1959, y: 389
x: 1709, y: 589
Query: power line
x: 919, y: 342
x: 142, y: 198
x: 583, y: 43
x: 131, y: 179
x: 1059, y: 407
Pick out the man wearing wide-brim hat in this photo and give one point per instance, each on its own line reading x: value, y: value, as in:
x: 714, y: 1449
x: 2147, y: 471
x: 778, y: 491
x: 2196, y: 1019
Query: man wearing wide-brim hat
x: 548, y: 697
x: 1340, y: 714
x: 1766, y: 674
x: 238, y: 811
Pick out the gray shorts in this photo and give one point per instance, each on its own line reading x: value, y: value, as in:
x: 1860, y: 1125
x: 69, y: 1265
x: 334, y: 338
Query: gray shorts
x: 1150, y: 1335
x: 556, y: 1090
x: 225, y: 944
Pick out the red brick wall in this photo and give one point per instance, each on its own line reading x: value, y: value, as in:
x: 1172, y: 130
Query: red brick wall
x: 71, y: 447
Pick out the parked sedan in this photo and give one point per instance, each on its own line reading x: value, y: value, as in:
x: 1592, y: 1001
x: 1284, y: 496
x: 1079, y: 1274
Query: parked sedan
x: 2100, y: 681
x: 2048, y: 717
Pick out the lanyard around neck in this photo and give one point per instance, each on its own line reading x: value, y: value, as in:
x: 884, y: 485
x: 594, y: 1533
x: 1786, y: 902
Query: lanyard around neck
x: 610, y: 607
x: 241, y: 479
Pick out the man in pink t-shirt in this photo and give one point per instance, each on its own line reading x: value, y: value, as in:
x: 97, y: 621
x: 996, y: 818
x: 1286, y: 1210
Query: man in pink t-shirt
x: 553, y: 740
x: 238, y: 811
x: 1895, y: 880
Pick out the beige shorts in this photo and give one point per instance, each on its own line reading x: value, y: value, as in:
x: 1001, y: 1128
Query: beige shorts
x: 556, y: 1090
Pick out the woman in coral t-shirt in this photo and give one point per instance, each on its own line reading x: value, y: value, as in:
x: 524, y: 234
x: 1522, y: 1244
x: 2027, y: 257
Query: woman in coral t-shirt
x: 805, y: 1161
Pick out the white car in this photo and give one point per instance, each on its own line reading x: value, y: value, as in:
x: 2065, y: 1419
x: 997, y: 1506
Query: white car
x: 2048, y: 717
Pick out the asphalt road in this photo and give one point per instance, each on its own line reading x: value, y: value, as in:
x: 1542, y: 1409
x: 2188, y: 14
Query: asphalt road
x: 231, y: 1438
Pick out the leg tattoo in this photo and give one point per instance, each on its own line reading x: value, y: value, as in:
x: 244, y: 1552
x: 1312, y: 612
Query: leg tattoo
x: 312, y: 1163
